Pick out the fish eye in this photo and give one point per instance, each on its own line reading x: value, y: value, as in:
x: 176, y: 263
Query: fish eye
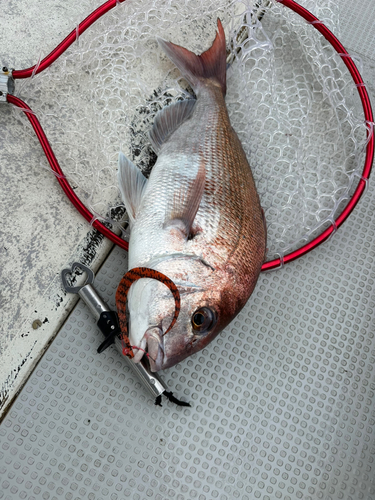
x: 203, y: 319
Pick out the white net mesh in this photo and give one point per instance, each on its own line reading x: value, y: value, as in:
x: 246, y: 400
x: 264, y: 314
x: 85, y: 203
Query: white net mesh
x: 290, y: 97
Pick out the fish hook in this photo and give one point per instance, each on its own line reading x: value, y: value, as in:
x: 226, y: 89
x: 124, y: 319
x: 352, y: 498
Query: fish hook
x: 128, y: 279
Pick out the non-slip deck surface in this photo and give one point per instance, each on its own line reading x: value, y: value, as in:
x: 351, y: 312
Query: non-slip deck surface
x: 282, y: 402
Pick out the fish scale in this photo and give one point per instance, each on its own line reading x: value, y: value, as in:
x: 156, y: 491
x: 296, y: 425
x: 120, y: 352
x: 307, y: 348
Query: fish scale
x: 213, y: 247
x: 170, y: 175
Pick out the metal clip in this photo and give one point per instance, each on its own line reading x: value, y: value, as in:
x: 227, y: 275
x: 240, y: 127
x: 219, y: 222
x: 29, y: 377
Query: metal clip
x: 86, y: 291
x: 107, y: 321
x: 6, y: 83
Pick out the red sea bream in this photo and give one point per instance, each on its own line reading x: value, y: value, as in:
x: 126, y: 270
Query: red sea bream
x: 197, y: 219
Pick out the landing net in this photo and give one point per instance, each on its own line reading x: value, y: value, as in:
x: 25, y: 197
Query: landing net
x: 290, y: 98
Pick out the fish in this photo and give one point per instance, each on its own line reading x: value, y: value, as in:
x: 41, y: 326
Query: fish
x: 196, y: 221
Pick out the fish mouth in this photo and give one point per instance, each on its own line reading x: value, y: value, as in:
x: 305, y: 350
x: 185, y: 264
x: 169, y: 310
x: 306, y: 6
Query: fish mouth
x: 151, y: 345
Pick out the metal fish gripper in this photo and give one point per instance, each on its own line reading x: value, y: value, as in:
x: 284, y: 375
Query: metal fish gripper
x: 108, y: 323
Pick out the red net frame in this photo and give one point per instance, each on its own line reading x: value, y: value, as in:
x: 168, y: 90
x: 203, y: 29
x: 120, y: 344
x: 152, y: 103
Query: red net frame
x: 291, y: 4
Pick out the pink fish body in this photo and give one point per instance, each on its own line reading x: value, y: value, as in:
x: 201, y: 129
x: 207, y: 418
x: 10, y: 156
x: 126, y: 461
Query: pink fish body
x: 197, y: 219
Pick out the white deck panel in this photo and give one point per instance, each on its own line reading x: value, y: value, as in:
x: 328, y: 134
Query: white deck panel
x: 41, y: 231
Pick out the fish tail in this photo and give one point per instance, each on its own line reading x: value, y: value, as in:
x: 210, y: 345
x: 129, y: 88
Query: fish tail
x: 209, y: 65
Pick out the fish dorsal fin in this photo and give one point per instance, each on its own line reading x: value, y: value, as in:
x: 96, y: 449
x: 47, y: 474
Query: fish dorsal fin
x: 132, y: 184
x: 186, y: 205
x: 168, y: 120
x: 211, y: 64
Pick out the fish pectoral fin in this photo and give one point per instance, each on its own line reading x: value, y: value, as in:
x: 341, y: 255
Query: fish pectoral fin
x: 168, y: 120
x: 186, y: 205
x: 132, y: 184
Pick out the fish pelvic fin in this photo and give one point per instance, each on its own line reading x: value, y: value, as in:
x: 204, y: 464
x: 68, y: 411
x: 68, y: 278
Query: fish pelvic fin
x: 168, y: 120
x: 132, y: 184
x: 209, y: 65
x: 186, y: 205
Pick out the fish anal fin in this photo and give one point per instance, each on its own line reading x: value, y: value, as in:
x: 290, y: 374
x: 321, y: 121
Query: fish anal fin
x: 168, y: 120
x: 132, y: 184
x: 209, y: 65
x: 185, y: 206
